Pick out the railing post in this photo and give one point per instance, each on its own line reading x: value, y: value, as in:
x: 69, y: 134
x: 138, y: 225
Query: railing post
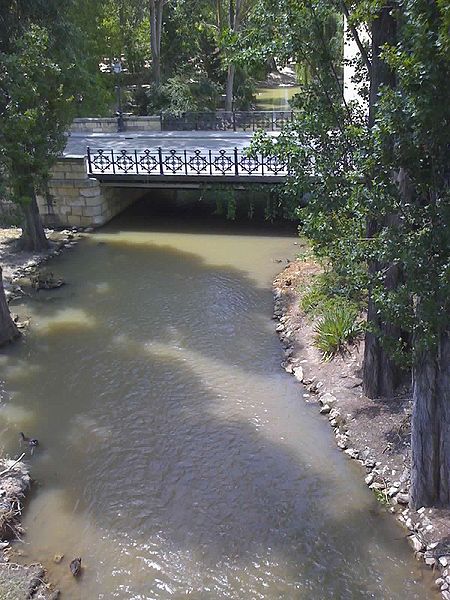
x: 89, y: 160
x: 113, y: 163
x: 161, y: 170
x: 185, y: 162
x: 136, y: 159
x: 236, y: 169
x: 210, y: 163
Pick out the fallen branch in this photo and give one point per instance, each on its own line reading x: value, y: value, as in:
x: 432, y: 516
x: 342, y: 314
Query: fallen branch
x: 13, y: 465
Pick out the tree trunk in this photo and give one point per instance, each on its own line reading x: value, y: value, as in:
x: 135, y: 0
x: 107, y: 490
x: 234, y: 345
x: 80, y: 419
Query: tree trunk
x: 430, y: 438
x: 33, y: 238
x: 380, y: 374
x: 235, y: 15
x: 156, y: 16
x: 8, y: 329
x: 229, y: 88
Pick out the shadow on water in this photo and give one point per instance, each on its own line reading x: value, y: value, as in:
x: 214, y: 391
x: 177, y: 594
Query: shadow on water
x: 156, y: 211
x: 165, y: 419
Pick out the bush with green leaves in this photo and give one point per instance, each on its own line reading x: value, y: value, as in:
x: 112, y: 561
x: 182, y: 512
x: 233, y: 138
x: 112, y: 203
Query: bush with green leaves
x: 327, y: 289
x: 336, y: 329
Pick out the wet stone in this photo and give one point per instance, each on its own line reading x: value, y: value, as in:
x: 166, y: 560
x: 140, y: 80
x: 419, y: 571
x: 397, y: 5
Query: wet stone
x: 369, y: 478
x: 415, y: 542
x: 327, y: 398
x: 298, y: 374
x: 402, y: 498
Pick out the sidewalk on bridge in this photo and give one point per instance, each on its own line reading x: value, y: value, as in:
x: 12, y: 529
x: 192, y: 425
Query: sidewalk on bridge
x: 167, y: 140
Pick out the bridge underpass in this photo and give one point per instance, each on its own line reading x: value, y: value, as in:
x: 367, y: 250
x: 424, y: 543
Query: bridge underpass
x: 99, y: 175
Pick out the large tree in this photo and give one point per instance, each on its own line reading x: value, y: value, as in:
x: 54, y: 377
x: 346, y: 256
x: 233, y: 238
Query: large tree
x: 381, y: 373
x: 41, y: 74
x: 375, y: 190
x: 238, y: 10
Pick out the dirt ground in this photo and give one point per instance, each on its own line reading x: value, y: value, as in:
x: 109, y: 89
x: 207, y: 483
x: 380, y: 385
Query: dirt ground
x: 14, y: 263
x: 374, y: 432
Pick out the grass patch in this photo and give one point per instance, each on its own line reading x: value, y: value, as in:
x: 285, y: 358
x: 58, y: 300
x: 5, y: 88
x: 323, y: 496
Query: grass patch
x: 336, y: 329
x: 327, y: 300
x: 324, y: 291
x: 382, y: 497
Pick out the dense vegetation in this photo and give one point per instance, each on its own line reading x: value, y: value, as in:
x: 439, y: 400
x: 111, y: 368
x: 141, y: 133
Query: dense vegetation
x: 370, y: 176
x: 376, y: 181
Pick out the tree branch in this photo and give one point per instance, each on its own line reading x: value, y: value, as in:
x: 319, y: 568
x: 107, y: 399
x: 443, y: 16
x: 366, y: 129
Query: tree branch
x: 355, y: 34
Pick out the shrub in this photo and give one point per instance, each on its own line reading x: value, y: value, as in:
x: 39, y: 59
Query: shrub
x: 324, y: 291
x: 337, y: 327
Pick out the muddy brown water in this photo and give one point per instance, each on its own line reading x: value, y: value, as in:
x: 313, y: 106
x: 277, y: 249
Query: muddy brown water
x: 177, y: 458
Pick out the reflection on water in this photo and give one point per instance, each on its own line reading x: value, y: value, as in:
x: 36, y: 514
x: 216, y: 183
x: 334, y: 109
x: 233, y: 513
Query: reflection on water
x: 275, y: 98
x: 62, y: 320
x: 177, y: 458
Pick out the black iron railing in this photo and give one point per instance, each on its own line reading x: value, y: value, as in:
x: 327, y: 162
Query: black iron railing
x: 252, y: 120
x: 187, y: 163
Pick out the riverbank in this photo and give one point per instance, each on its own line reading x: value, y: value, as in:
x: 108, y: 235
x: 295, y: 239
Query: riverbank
x: 17, y: 582
x: 17, y: 264
x: 20, y: 581
x: 375, y: 433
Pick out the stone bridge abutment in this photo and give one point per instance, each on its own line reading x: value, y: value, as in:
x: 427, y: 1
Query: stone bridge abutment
x: 76, y: 200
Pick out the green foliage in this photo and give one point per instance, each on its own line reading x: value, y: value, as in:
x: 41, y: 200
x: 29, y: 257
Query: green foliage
x: 123, y: 30
x: 34, y: 112
x: 185, y: 94
x: 251, y: 201
x: 177, y: 95
x: 396, y: 173
x: 336, y: 328
x: 381, y: 496
x: 326, y: 290
x: 326, y: 298
x: 244, y: 89
x: 223, y: 197
x: 43, y: 75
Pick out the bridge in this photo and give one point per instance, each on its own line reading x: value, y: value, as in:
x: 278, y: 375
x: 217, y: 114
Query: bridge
x: 86, y: 189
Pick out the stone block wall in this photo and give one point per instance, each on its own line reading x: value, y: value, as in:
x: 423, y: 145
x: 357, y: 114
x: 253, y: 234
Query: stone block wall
x: 109, y: 124
x: 76, y: 200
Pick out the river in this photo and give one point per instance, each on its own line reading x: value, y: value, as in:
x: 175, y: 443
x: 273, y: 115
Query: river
x: 177, y: 458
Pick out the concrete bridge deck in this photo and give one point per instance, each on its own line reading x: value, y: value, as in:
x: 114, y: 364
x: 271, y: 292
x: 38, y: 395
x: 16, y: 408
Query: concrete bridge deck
x: 167, y: 140
x: 170, y: 158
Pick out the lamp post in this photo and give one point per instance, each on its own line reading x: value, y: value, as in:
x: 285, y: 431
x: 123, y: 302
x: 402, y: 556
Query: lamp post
x: 117, y: 69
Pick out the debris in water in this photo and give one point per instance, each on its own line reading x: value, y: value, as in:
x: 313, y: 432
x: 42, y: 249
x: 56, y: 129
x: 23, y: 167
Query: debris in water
x: 75, y: 566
